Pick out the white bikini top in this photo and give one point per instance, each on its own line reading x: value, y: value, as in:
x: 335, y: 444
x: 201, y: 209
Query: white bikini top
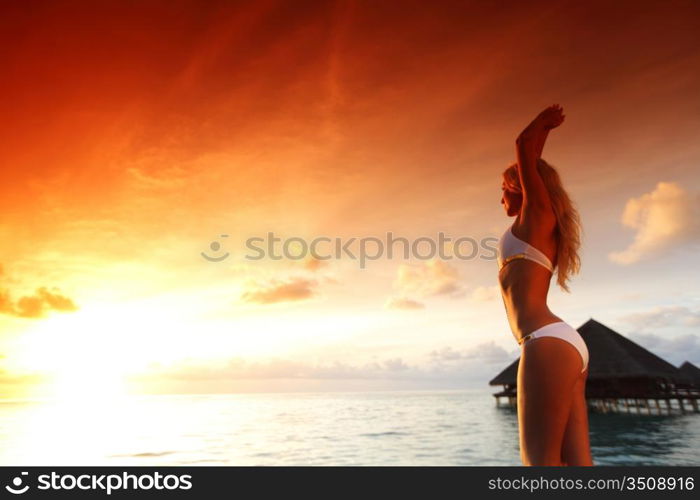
x: 511, y: 247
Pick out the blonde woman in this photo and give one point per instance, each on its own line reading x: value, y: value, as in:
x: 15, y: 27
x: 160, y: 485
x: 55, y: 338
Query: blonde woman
x: 543, y: 240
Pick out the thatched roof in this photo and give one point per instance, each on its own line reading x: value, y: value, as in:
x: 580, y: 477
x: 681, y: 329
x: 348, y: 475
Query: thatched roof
x: 612, y: 356
x: 689, y: 372
x: 508, y: 376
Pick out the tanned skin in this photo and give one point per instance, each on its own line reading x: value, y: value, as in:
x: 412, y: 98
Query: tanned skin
x: 552, y: 410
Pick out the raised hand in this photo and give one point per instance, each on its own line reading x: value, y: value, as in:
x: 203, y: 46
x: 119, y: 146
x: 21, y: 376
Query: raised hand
x: 551, y: 117
x: 531, y: 140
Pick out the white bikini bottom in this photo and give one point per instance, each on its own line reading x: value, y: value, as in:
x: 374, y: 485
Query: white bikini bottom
x: 564, y: 331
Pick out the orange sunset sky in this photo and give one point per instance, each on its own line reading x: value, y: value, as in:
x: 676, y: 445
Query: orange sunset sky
x: 136, y: 133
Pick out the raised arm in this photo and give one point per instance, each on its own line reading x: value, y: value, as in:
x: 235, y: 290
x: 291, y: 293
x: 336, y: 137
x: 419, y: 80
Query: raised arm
x: 528, y: 148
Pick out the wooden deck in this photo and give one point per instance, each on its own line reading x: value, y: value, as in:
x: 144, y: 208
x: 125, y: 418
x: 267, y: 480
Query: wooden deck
x: 678, y: 402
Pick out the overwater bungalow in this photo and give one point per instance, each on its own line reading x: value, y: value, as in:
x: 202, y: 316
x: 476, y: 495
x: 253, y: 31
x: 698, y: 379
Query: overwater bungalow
x: 689, y: 376
x: 623, y: 377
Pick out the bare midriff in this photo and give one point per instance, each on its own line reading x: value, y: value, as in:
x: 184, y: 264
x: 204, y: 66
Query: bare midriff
x: 524, y: 287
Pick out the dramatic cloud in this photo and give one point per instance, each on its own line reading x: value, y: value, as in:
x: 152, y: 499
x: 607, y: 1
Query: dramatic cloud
x: 403, y: 303
x: 281, y: 291
x: 137, y: 132
x: 37, y: 305
x: 667, y: 216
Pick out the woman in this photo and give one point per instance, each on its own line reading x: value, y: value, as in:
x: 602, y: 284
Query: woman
x: 552, y: 411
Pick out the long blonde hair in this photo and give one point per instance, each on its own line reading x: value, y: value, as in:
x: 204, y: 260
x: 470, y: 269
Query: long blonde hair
x: 568, y: 220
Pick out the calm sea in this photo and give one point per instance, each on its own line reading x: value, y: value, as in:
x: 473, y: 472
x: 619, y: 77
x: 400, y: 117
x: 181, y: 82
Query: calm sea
x: 376, y: 428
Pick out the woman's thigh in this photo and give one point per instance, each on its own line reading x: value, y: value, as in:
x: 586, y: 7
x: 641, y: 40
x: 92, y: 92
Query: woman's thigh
x: 547, y: 374
x: 576, y: 448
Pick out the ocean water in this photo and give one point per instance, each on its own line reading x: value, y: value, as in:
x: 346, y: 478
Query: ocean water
x: 461, y: 427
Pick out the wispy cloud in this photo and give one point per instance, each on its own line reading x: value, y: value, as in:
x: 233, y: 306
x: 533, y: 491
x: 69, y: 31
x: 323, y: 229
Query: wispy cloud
x: 675, y: 349
x: 313, y: 264
x: 487, y: 352
x: 434, y: 277
x: 447, y: 363
x: 403, y: 303
x: 486, y: 293
x: 237, y: 368
x: 662, y: 316
x: 276, y: 291
x: 658, y: 329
